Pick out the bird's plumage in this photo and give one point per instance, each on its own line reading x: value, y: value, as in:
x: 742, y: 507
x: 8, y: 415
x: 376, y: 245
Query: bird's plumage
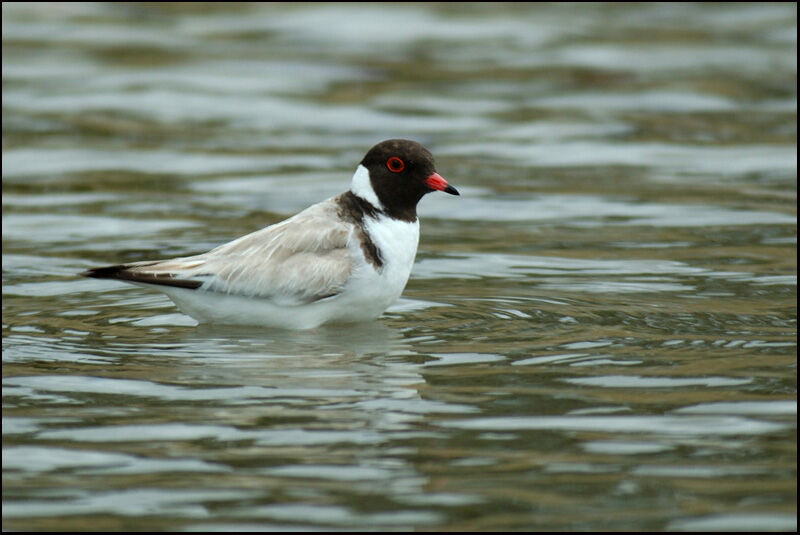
x: 343, y: 259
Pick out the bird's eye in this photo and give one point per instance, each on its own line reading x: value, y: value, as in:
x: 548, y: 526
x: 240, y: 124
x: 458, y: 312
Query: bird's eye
x: 395, y: 164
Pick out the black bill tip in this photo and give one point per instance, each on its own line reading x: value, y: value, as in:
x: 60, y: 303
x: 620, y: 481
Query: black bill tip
x: 451, y: 190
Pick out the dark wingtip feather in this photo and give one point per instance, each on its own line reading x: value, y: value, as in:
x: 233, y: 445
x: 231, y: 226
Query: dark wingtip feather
x: 122, y: 272
x: 108, y: 272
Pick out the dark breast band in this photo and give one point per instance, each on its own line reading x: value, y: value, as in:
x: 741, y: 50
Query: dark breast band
x: 353, y: 208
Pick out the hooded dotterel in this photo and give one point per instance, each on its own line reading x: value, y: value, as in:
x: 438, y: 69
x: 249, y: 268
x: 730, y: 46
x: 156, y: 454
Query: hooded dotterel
x: 345, y: 259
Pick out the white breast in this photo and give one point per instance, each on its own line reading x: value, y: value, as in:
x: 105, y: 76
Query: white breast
x: 397, y: 243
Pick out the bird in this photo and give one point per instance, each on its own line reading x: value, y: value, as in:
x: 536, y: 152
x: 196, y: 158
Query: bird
x: 345, y: 259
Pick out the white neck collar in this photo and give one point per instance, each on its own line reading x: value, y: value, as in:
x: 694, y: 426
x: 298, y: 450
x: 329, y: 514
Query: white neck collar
x: 362, y: 187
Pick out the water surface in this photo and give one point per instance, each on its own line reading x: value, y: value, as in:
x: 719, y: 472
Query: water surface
x: 599, y: 334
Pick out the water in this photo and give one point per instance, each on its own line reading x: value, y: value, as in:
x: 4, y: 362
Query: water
x: 600, y: 333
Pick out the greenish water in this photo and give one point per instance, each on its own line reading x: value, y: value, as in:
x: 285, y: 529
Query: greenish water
x: 599, y: 334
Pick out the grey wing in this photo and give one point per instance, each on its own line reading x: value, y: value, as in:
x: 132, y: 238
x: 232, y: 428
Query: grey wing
x: 300, y: 260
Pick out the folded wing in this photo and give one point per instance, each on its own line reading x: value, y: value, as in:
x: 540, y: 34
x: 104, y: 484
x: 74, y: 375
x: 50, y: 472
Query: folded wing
x: 300, y: 260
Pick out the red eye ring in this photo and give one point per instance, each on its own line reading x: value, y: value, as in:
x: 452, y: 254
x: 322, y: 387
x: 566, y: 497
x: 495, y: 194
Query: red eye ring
x: 395, y: 164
